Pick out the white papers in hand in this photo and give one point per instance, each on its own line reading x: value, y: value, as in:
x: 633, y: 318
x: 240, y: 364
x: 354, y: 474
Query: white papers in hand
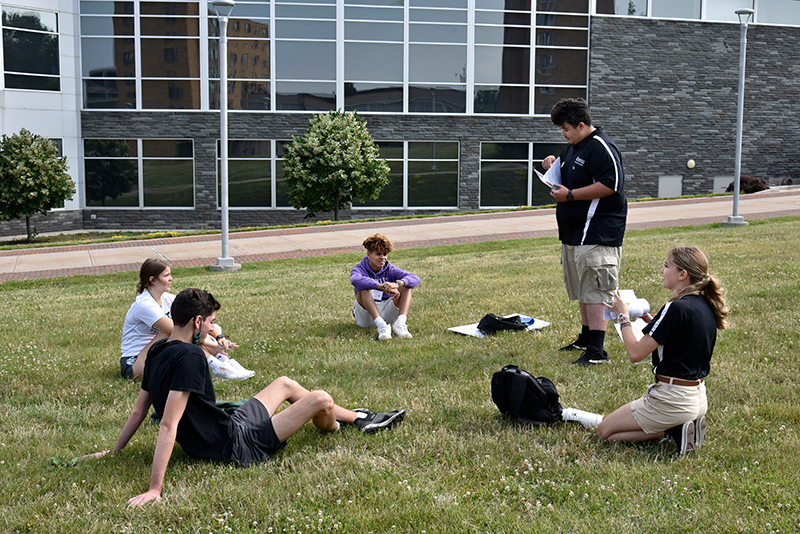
x: 552, y: 177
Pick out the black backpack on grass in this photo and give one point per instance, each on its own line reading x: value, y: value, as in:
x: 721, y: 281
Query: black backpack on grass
x: 528, y: 399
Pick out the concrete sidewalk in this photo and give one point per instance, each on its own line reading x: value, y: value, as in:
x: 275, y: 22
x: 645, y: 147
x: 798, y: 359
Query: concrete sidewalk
x: 268, y: 245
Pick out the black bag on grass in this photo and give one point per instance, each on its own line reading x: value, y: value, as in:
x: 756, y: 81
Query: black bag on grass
x: 492, y: 323
x: 524, y: 397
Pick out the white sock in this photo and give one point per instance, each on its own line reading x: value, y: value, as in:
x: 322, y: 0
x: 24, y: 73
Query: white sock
x: 401, y: 320
x: 379, y: 322
x: 360, y: 415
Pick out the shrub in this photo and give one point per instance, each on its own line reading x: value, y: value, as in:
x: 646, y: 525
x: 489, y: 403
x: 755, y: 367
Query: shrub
x: 749, y: 184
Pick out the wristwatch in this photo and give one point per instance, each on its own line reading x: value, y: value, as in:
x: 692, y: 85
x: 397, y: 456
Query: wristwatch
x: 621, y: 318
x: 569, y: 195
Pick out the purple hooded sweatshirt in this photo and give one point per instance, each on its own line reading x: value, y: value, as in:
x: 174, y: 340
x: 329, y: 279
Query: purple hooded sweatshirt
x: 363, y: 277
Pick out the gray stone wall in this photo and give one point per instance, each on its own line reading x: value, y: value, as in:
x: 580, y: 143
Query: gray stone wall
x: 203, y: 128
x: 667, y: 92
x: 52, y: 221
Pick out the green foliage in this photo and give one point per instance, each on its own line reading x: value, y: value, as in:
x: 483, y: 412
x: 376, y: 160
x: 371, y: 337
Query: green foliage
x: 333, y: 164
x: 33, y: 179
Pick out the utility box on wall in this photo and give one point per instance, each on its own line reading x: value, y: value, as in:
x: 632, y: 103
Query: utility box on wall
x: 670, y: 186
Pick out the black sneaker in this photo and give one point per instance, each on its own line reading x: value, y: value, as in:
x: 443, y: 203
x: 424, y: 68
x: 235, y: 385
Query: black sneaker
x: 683, y: 436
x: 357, y: 410
x: 374, y: 421
x: 591, y: 357
x: 578, y: 344
x: 699, y: 432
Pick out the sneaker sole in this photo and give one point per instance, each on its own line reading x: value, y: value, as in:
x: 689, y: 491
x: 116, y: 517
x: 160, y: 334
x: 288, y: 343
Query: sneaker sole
x: 388, y: 423
x: 687, y: 439
x: 700, y: 426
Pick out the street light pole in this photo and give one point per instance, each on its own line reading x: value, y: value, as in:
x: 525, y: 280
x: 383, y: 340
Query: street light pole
x: 223, y: 9
x: 735, y: 219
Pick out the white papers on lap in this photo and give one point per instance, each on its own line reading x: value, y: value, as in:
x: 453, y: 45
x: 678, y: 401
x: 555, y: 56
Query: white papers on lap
x: 472, y: 329
x: 552, y: 177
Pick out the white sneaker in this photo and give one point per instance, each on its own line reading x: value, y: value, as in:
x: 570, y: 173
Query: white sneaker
x: 238, y: 367
x: 401, y: 331
x: 229, y: 372
x: 385, y: 332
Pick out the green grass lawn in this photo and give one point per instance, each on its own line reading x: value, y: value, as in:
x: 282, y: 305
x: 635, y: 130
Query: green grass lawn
x: 454, y: 465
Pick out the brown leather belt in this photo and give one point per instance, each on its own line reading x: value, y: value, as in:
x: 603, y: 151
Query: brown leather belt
x: 679, y: 381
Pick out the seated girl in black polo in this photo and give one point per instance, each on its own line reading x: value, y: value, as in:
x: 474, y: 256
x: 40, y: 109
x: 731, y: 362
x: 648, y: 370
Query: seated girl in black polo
x: 681, y: 338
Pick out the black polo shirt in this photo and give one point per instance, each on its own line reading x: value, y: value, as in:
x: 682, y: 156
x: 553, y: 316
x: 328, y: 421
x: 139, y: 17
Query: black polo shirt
x: 686, y: 331
x: 600, y: 221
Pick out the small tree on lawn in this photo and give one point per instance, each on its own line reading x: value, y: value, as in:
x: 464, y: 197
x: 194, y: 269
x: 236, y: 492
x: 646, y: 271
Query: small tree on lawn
x: 33, y: 179
x: 333, y: 164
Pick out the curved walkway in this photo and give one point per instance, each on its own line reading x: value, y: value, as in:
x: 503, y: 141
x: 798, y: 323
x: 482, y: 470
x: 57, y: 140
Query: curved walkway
x: 265, y: 245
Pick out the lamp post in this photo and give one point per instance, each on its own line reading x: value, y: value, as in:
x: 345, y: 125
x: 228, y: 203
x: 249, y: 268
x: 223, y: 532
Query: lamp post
x: 735, y: 219
x: 223, y: 10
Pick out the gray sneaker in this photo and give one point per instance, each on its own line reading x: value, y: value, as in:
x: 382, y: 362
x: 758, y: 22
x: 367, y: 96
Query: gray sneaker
x: 374, y: 421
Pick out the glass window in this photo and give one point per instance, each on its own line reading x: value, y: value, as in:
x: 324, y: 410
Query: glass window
x: 168, y: 183
x: 373, y: 97
x: 561, y: 66
x: 373, y: 31
x: 188, y: 27
x: 249, y: 184
x: 437, y: 99
x: 495, y: 65
x: 373, y: 13
x: 550, y: 37
x: 107, y: 26
x: 504, y: 183
x: 622, y: 7
x: 437, y: 15
x: 373, y: 62
x: 437, y: 63
x: 391, y: 196
x: 725, y: 10
x: 179, y: 58
x: 146, y: 7
x: 779, y: 11
x: 520, y: 35
x: 676, y: 9
x: 306, y: 29
x: 563, y: 6
x: 305, y: 12
x: 112, y: 180
x: 546, y: 97
x: 170, y: 94
x: 438, y: 33
x: 30, y: 49
x: 305, y: 96
x: 106, y: 8
x: 432, y: 184
x: 501, y: 99
x: 309, y: 60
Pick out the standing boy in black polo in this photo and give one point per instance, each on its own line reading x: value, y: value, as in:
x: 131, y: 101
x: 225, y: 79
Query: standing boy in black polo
x: 591, y: 214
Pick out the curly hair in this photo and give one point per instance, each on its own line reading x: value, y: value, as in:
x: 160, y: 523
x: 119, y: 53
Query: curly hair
x: 694, y: 262
x: 571, y: 111
x: 378, y: 243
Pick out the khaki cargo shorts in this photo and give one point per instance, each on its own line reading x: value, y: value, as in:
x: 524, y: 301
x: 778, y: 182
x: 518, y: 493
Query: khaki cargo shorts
x: 591, y: 272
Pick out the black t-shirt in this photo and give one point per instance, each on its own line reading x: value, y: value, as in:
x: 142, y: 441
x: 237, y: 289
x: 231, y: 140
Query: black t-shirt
x: 600, y: 221
x: 686, y: 331
x: 205, y: 430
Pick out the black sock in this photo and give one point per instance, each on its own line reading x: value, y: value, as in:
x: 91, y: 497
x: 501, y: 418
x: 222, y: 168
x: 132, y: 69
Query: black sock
x: 584, y: 336
x: 595, y: 340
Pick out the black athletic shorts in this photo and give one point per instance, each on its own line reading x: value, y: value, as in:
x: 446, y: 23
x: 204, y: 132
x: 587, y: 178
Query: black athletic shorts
x: 254, y: 439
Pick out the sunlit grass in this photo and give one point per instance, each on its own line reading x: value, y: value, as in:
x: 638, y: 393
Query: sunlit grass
x: 454, y: 465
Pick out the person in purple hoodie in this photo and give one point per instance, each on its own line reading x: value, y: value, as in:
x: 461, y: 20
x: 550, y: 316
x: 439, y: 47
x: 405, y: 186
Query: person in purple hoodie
x: 383, y: 291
